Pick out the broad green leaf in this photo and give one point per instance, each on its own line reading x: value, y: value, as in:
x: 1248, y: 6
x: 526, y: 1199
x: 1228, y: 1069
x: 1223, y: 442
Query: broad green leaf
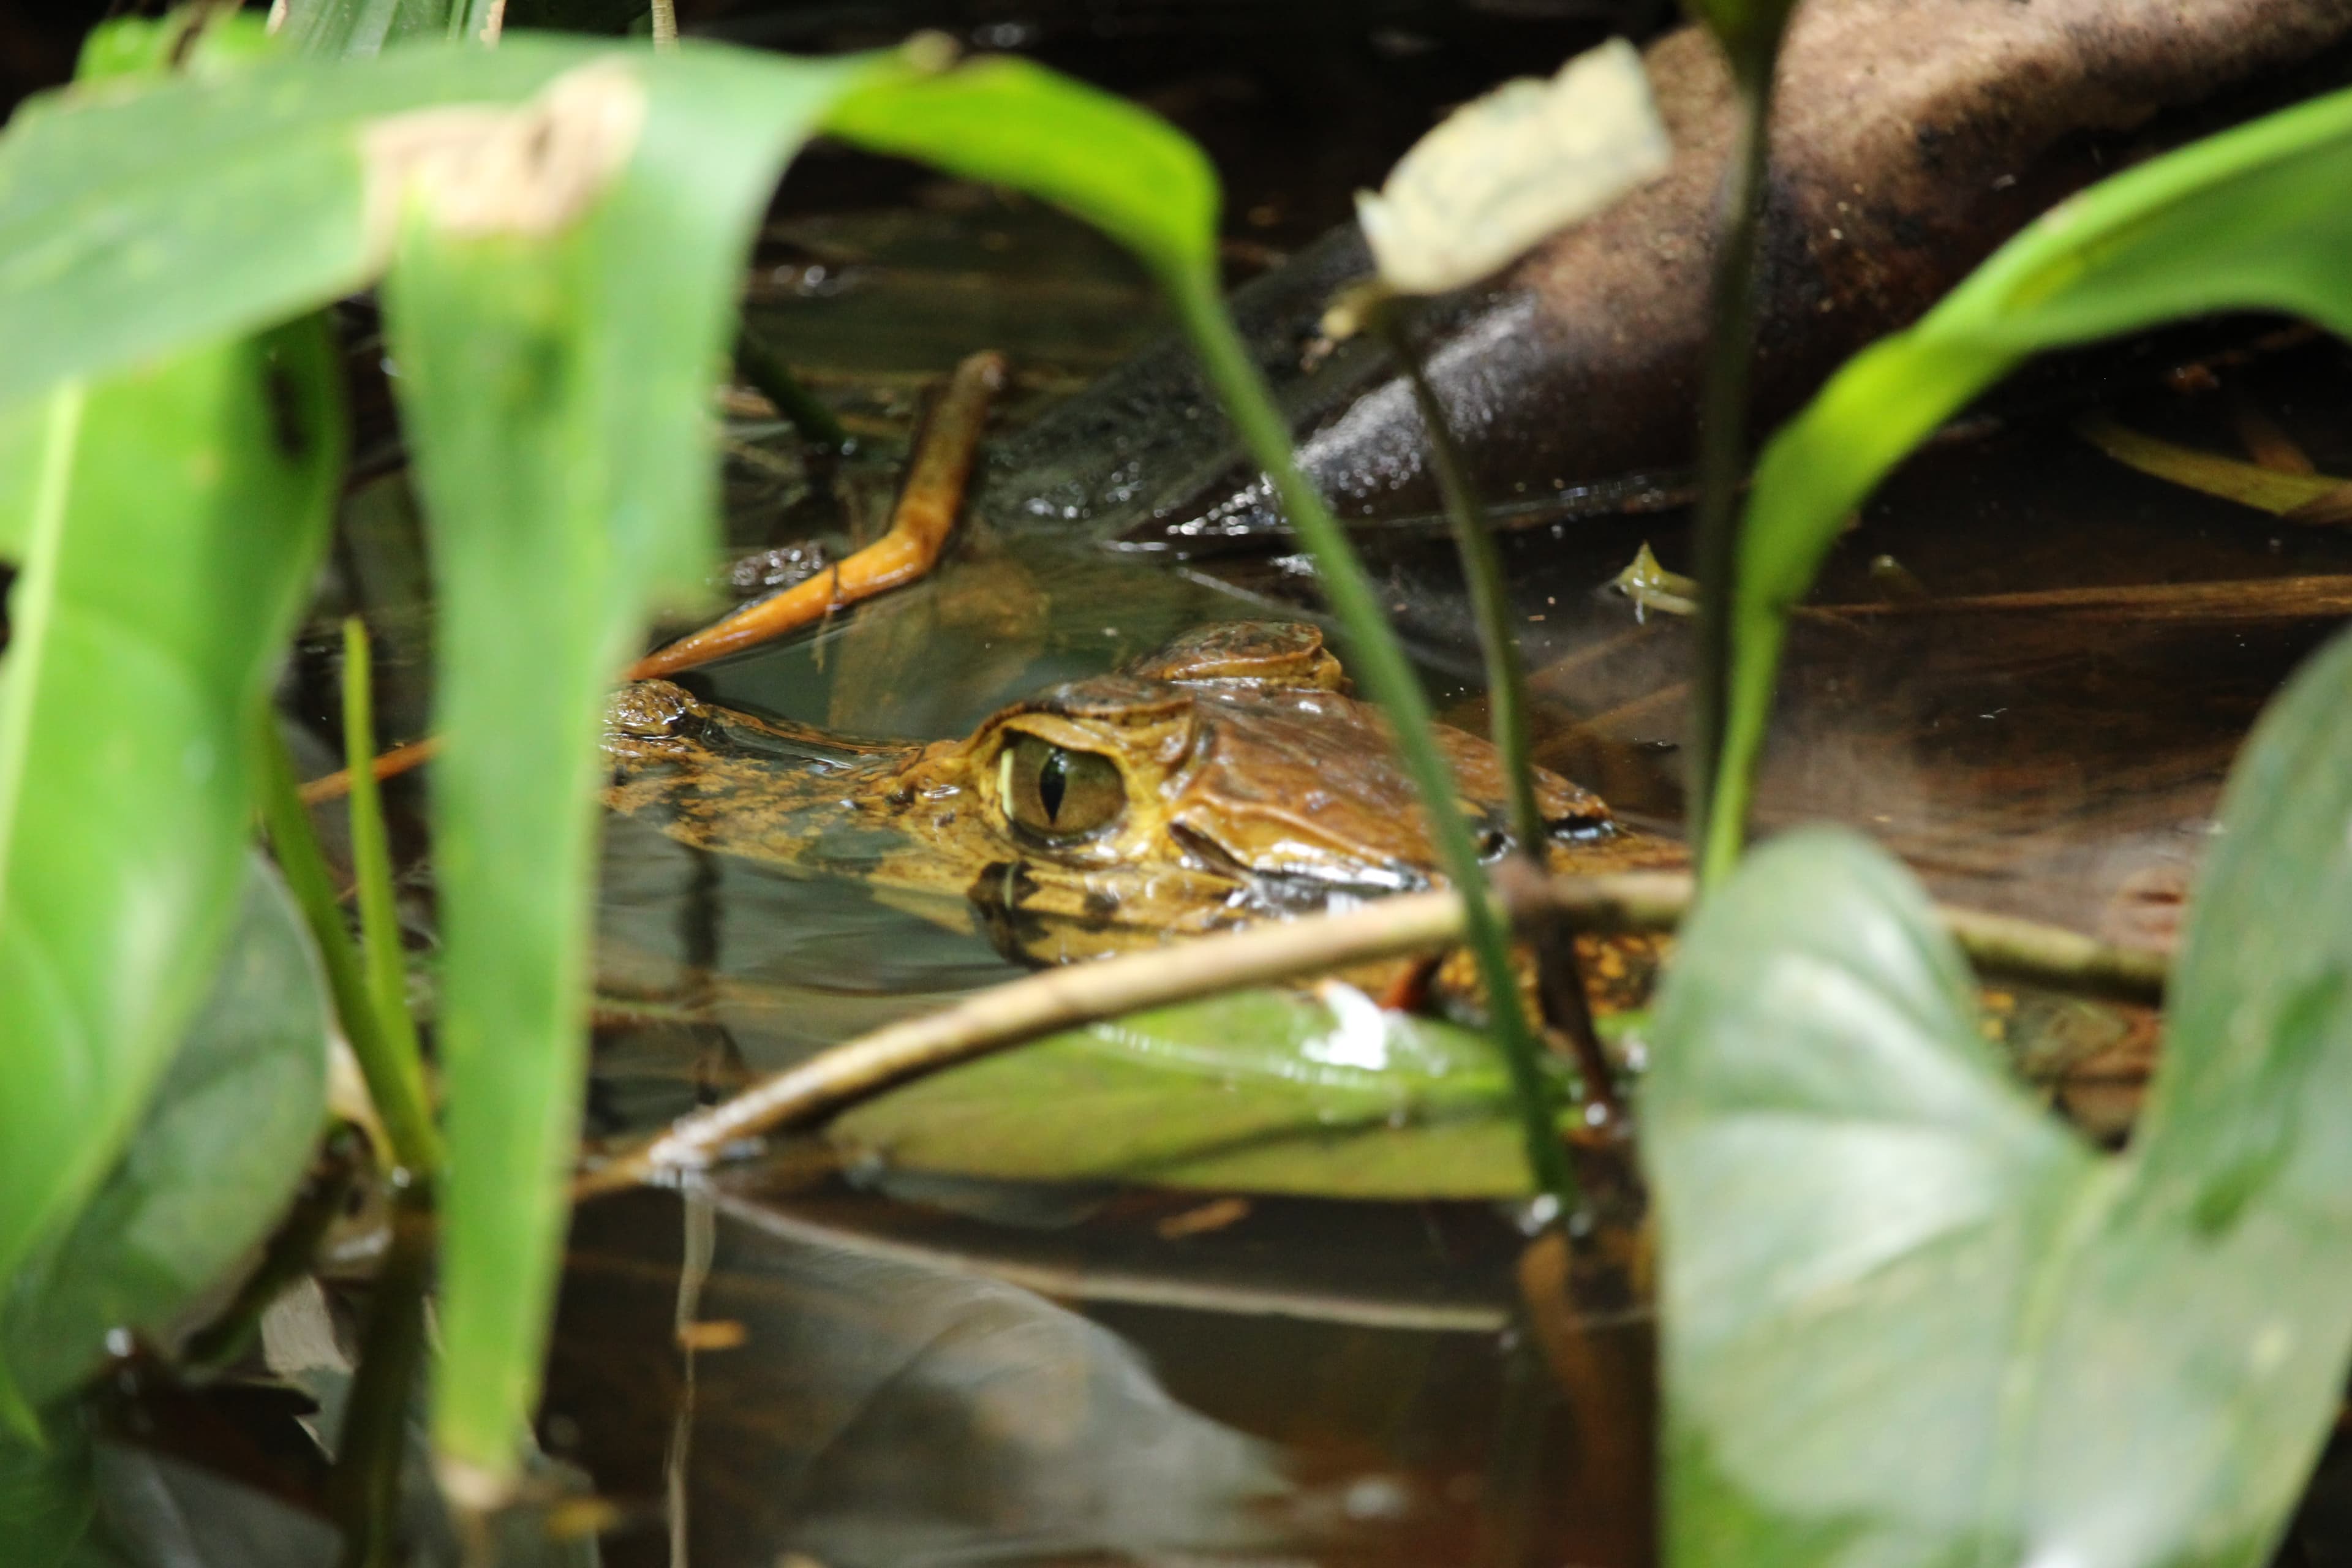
x: 2251, y: 219
x: 554, y: 382
x: 136, y: 217
x: 178, y: 520
x: 1122, y: 168
x: 1274, y: 1091
x: 225, y: 1138
x: 1867, y: 1231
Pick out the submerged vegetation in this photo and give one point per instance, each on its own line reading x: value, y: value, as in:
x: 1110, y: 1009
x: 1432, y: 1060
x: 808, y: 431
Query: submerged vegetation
x: 1866, y: 1227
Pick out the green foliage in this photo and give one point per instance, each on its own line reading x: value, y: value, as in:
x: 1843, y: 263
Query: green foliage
x: 332, y: 29
x: 163, y: 496
x: 1273, y: 1091
x: 555, y: 345
x: 1123, y: 169
x: 2250, y: 219
x: 553, y: 387
x: 224, y: 1139
x: 1869, y: 1231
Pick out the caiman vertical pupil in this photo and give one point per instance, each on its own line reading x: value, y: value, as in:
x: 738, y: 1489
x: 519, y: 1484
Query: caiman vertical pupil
x: 1057, y: 792
x: 1050, y: 780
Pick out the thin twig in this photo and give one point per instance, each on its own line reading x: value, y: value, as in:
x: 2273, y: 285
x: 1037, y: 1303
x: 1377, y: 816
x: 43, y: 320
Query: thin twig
x: 1066, y: 999
x: 927, y: 510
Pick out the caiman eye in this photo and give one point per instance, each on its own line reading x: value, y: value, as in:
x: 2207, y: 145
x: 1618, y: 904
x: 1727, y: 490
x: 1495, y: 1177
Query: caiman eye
x: 1058, y: 793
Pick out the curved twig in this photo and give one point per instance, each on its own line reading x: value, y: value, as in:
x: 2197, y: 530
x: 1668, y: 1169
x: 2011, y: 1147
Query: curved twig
x: 1064, y: 998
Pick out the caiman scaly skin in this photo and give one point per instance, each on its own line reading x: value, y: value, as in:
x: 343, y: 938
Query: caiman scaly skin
x: 1248, y: 785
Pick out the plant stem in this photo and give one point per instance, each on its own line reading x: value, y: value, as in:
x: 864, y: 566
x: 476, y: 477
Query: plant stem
x: 1561, y: 976
x: 364, y: 1489
x: 1716, y: 835
x: 1381, y: 665
x: 1490, y: 598
x: 381, y: 952
x: 1065, y: 999
x: 395, y: 1073
x: 774, y: 380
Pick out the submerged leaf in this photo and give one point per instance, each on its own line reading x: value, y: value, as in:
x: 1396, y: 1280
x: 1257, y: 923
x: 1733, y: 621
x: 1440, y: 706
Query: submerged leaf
x: 1273, y: 1091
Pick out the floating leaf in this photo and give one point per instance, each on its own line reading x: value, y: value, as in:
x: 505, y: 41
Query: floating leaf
x: 1272, y: 1091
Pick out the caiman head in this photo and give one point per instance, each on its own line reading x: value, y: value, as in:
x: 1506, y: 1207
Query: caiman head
x: 1227, y: 778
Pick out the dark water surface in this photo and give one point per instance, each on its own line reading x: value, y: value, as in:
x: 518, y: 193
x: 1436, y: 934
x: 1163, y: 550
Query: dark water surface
x: 805, y: 1367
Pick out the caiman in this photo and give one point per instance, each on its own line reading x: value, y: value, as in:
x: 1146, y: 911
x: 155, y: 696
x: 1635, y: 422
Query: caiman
x: 1226, y: 779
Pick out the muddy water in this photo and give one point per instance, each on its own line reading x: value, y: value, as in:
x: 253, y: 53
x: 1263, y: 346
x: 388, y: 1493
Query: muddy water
x: 804, y: 1367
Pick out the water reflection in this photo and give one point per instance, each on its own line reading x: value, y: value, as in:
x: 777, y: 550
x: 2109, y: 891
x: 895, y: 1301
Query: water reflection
x: 862, y: 1404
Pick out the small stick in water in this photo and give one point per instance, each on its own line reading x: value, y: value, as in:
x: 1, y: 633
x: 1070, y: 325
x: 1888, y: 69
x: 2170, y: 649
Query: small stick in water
x: 918, y: 530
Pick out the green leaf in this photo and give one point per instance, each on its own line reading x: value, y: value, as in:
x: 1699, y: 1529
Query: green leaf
x: 1272, y: 1091
x: 1868, y: 1230
x: 140, y: 216
x: 178, y: 520
x: 2250, y: 219
x: 554, y: 387
x: 225, y: 1139
x: 47, y: 1499
x: 1123, y: 169
x: 336, y: 28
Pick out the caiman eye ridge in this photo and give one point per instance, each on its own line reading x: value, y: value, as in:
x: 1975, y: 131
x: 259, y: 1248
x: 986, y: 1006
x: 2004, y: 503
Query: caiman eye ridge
x: 1057, y: 792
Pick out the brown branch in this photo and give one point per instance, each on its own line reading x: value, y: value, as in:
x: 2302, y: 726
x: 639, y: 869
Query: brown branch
x: 925, y: 512
x: 1065, y: 999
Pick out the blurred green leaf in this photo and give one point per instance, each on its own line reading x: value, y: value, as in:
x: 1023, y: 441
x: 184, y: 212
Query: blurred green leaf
x: 2250, y: 219
x: 47, y: 1498
x: 139, y: 216
x: 166, y: 496
x: 1123, y: 169
x: 1748, y: 31
x: 555, y: 389
x: 1273, y: 1091
x: 336, y: 28
x: 225, y: 1138
x: 158, y: 46
x: 1868, y: 1230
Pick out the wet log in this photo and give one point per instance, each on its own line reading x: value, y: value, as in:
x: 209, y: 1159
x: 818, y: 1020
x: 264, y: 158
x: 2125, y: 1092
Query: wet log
x: 1912, y: 137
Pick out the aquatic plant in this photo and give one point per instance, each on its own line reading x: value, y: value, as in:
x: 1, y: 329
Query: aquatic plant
x: 556, y: 228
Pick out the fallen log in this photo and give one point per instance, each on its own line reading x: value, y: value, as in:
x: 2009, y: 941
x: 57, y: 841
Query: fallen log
x: 1912, y: 137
